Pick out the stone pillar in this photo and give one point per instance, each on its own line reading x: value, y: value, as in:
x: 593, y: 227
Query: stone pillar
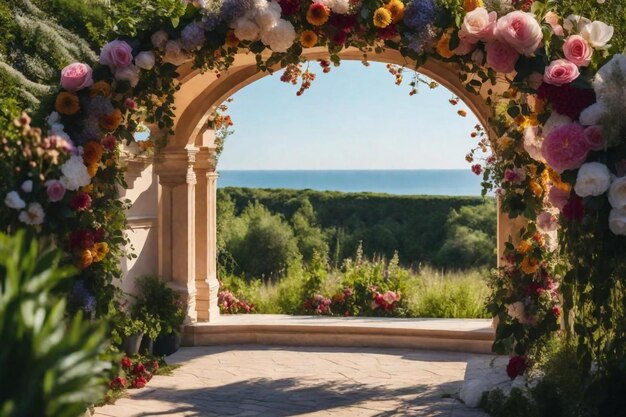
x: 177, y: 217
x: 206, y: 234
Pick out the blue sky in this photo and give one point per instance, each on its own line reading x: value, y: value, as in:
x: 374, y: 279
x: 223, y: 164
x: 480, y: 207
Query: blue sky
x: 354, y: 117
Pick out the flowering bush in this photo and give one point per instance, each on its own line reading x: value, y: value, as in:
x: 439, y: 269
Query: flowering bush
x: 134, y: 373
x: 230, y: 304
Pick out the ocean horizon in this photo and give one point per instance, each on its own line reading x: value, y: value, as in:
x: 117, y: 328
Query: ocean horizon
x: 453, y: 182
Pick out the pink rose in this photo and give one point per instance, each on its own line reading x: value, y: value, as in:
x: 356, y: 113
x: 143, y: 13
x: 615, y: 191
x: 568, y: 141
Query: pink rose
x: 130, y: 73
x: 547, y: 221
x: 565, y: 147
x: 478, y: 25
x: 577, y: 50
x: 514, y: 175
x: 501, y: 57
x: 464, y: 48
x: 76, y: 76
x: 558, y: 197
x: 594, y: 137
x: 552, y: 19
x: 560, y: 72
x: 521, y: 31
x: 116, y: 55
x: 55, y: 190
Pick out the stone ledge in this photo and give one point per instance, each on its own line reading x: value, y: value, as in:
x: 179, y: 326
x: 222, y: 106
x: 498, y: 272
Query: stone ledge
x: 458, y: 335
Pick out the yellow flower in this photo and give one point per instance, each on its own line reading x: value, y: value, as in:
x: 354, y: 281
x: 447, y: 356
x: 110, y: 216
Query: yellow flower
x: 111, y: 121
x: 92, y: 152
x: 529, y: 265
x: 87, y: 189
x: 86, y: 259
x: 382, y: 18
x: 100, y: 88
x: 505, y: 142
x: 469, y: 5
x: 67, y: 103
x: 110, y: 162
x: 92, y: 169
x: 536, y: 188
x: 396, y: 7
x: 317, y: 14
x: 443, y: 46
x: 308, y: 39
x: 524, y: 246
x: 231, y: 40
x: 99, y: 251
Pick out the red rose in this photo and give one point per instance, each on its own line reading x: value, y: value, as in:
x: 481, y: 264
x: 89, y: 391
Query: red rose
x: 118, y: 383
x: 477, y: 169
x: 574, y: 210
x: 290, y: 7
x: 344, y: 22
x: 389, y: 32
x: 516, y: 367
x: 139, y: 382
x: 567, y: 100
x: 126, y: 362
x: 155, y: 365
x: 80, y: 202
x: 534, y: 289
x: 108, y: 142
x: 556, y: 311
x: 340, y: 37
x: 81, y: 239
x: 99, y: 234
x: 139, y: 369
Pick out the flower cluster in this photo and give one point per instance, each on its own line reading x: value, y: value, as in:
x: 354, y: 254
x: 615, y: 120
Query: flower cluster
x: 318, y: 304
x: 386, y: 301
x: 134, y: 373
x: 230, y: 304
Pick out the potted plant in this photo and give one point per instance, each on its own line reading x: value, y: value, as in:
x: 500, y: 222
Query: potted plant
x: 161, y: 301
x: 133, y: 331
x: 153, y: 328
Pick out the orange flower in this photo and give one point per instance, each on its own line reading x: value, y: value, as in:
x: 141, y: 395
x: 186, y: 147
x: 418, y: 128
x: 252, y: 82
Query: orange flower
x: 396, y: 7
x: 317, y: 14
x: 87, y: 189
x: 110, y: 163
x: 469, y: 5
x: 99, y: 251
x: 100, y: 88
x: 529, y: 265
x: 67, y: 103
x: 443, y: 46
x: 538, y: 237
x: 382, y: 18
x: 232, y: 41
x: 308, y: 39
x: 92, y: 169
x: 92, y: 152
x: 86, y: 259
x: 524, y: 246
x: 536, y: 188
x: 112, y: 121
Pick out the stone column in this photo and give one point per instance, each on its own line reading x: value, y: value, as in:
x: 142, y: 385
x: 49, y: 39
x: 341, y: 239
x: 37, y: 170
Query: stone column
x: 206, y: 234
x: 177, y: 217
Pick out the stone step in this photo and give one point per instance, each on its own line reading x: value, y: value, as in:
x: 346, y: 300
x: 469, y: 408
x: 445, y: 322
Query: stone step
x: 457, y: 335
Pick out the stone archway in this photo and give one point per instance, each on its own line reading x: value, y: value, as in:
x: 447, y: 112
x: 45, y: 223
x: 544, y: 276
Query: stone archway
x: 188, y: 181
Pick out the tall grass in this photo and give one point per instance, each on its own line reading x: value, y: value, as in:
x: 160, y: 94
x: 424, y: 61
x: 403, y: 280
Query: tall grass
x: 426, y: 292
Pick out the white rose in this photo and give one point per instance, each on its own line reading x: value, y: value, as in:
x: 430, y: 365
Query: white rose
x: 617, y: 193
x: 75, y: 173
x: 575, y: 23
x: 592, y: 114
x: 145, y: 60
x: 174, y: 53
x: 27, y: 186
x: 341, y: 6
x: 593, y: 179
x: 617, y: 221
x: 478, y: 25
x: 159, y: 39
x: 33, y: 215
x: 130, y: 73
x: 598, y: 34
x: 14, y: 201
x: 268, y: 17
x: 555, y: 121
x: 533, y: 143
x: 516, y: 311
x: 280, y: 37
x: 245, y: 29
x: 602, y: 82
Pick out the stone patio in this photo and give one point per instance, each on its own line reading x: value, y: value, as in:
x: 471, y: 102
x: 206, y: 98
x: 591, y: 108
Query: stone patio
x: 303, y: 381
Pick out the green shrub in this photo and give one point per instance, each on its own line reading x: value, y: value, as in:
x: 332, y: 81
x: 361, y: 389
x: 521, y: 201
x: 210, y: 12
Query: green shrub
x: 158, y: 305
x: 49, y: 365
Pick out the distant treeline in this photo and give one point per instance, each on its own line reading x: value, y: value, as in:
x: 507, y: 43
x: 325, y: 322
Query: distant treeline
x: 260, y: 231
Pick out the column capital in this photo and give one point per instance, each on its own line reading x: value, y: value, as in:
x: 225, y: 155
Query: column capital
x: 176, y: 167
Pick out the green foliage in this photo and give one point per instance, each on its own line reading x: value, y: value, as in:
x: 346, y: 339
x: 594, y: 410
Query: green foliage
x: 161, y: 302
x: 131, y: 17
x: 49, y: 366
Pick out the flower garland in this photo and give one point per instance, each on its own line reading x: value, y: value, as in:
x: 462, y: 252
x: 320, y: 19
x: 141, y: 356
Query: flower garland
x: 556, y: 133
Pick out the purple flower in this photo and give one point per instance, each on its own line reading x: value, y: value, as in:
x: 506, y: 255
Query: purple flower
x: 233, y: 9
x: 192, y: 37
x: 420, y: 13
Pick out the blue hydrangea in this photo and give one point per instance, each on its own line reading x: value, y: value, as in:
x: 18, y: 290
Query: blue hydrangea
x: 192, y: 37
x: 418, y: 14
x: 420, y: 40
x: 83, y: 297
x: 233, y: 9
x: 90, y: 131
x: 99, y: 106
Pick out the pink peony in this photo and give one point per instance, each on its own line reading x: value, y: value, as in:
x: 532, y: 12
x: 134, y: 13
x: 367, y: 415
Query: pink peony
x: 594, y: 137
x: 501, y: 57
x: 55, y: 190
x: 116, y: 55
x: 560, y: 72
x: 521, y: 31
x: 76, y: 76
x: 558, y: 197
x: 565, y: 147
x: 577, y: 50
x: 478, y: 25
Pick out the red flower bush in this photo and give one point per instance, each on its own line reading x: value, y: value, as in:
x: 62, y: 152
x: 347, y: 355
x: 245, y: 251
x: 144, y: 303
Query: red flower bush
x: 81, y: 239
x: 139, y: 382
x: 230, y: 304
x: 118, y: 383
x: 318, y: 304
x: 126, y: 362
x: 516, y: 367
